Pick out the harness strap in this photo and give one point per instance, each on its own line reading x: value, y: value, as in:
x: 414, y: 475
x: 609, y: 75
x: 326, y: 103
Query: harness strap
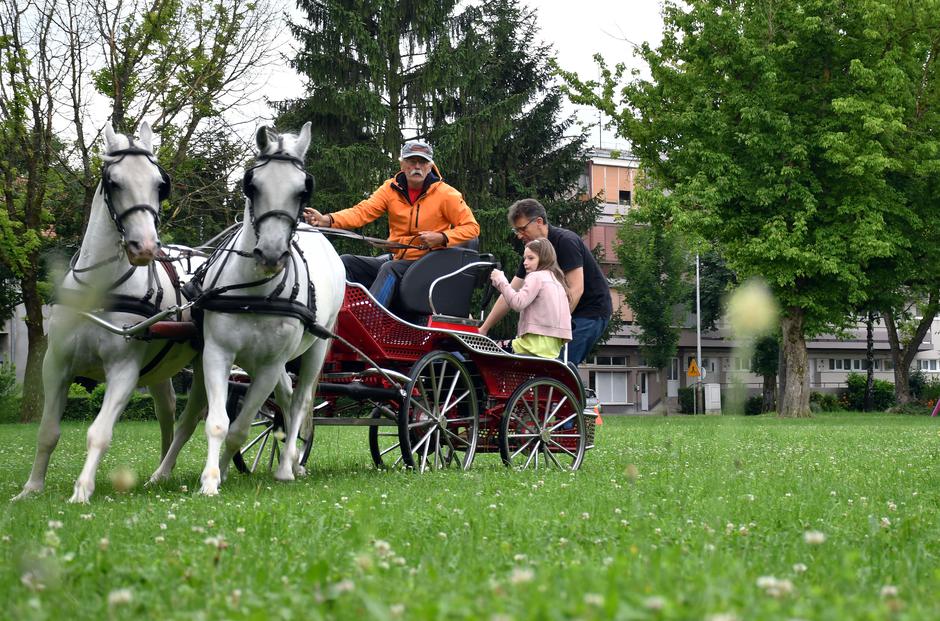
x: 252, y: 304
x: 150, y: 366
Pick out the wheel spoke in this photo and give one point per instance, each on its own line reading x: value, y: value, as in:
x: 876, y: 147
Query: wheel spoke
x: 455, y: 403
x: 451, y: 434
x: 573, y: 456
x: 554, y: 410
x: 264, y: 443
x: 565, y: 421
x: 522, y: 448
x: 534, y: 453
x: 549, y: 455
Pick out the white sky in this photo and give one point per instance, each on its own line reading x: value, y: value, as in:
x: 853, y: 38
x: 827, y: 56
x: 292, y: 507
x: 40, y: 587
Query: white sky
x: 577, y: 30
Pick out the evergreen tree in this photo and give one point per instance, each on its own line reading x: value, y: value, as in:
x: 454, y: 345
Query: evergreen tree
x: 475, y: 82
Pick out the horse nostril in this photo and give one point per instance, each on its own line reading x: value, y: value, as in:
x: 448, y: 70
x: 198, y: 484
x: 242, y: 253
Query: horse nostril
x: 133, y: 245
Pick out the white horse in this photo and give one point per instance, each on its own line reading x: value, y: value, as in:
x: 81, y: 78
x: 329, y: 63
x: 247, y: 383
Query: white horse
x: 267, y: 294
x: 114, y: 273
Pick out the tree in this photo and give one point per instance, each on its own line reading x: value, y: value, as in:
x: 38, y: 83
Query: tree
x: 766, y: 363
x: 654, y: 264
x: 775, y: 127
x: 474, y: 81
x: 179, y: 60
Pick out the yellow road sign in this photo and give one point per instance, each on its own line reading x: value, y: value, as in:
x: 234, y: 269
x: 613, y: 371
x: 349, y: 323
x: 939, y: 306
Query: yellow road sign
x: 693, y: 369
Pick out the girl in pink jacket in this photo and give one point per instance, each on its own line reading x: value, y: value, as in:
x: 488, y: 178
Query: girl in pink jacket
x: 542, y: 302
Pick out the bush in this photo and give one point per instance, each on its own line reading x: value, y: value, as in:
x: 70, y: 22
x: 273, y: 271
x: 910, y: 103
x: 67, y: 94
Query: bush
x: 916, y: 382
x: 825, y: 401
x: 854, y: 397
x: 912, y: 409
x: 754, y: 405
x: 686, y: 400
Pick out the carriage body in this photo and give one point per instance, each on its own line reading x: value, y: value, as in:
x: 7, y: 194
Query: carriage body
x: 435, y: 393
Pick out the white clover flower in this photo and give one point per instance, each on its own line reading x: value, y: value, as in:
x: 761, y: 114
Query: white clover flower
x: 885, y: 522
x: 52, y: 539
x: 55, y: 524
x: 892, y: 506
x: 889, y: 591
x: 521, y: 575
x: 119, y: 597
x: 799, y: 568
x: 103, y: 543
x: 240, y: 530
x: 396, y: 610
x: 344, y: 586
x: 814, y: 537
x: 158, y: 539
x: 654, y: 603
x: 722, y: 616
x: 585, y: 516
x: 594, y: 599
x: 87, y: 516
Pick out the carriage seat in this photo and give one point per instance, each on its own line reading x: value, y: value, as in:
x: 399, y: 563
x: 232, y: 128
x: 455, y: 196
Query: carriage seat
x: 452, y: 294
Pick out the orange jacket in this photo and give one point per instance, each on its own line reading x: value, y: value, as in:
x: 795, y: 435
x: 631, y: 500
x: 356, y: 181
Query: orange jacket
x: 439, y: 208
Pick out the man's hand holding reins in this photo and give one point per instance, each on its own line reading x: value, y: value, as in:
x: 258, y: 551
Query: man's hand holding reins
x: 315, y: 218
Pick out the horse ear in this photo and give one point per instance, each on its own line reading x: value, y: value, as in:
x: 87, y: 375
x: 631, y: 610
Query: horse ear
x: 110, y: 138
x: 261, y: 138
x: 146, y: 136
x: 303, y: 141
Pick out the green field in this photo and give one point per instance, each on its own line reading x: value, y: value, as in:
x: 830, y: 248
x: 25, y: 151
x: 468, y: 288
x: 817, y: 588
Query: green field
x: 836, y: 517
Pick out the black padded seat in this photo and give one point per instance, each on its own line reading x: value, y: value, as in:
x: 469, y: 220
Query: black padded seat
x: 452, y: 296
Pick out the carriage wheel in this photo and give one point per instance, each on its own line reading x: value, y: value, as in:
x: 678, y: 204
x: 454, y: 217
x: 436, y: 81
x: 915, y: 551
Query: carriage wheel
x: 543, y: 425
x: 439, y: 420
x: 383, y: 441
x: 265, y: 440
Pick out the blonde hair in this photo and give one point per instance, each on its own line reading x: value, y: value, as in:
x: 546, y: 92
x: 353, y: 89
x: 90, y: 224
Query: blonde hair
x: 548, y: 260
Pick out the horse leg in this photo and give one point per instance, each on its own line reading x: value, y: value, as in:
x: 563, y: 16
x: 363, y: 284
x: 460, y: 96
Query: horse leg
x: 216, y: 366
x: 262, y: 383
x: 195, y: 408
x: 301, y: 405
x: 164, y: 405
x: 56, y: 380
x: 122, y: 379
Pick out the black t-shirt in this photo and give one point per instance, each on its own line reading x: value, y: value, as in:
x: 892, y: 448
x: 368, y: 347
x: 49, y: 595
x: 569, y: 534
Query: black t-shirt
x: 573, y: 253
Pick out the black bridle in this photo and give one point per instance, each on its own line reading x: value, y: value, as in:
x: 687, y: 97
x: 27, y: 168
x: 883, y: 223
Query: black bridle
x: 107, y: 188
x: 249, y: 191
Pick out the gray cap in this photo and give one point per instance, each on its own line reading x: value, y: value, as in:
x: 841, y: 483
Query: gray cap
x: 417, y: 148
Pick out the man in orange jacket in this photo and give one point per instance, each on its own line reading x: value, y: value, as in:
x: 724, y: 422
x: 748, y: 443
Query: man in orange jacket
x: 422, y: 211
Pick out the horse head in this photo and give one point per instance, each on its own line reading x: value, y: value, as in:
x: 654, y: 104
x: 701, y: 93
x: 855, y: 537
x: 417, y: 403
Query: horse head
x: 133, y: 185
x: 277, y: 189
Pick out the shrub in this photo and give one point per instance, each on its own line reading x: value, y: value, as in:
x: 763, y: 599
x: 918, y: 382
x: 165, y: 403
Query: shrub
x: 912, y: 409
x: 753, y: 405
x: 686, y: 400
x: 929, y: 392
x: 9, y: 394
x: 882, y: 393
x: 916, y: 382
x: 824, y: 401
x: 140, y: 407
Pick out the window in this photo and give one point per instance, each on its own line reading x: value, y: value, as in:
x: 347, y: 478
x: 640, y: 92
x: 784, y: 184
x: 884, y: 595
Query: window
x: 889, y: 364
x: 674, y: 369
x: 611, y: 361
x: 625, y: 197
x: 610, y: 387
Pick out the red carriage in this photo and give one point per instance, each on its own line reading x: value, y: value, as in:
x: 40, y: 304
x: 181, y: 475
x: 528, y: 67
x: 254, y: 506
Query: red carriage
x: 432, y: 391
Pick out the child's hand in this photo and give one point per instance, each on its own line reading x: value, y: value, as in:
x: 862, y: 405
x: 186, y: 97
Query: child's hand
x: 496, y: 276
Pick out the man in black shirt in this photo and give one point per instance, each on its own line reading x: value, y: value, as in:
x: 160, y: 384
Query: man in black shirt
x: 591, y: 307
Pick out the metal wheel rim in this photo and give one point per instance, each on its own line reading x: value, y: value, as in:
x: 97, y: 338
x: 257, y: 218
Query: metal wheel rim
x: 439, y: 420
x: 542, y: 426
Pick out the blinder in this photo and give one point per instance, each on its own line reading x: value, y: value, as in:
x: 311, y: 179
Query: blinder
x: 248, y: 190
x: 163, y: 191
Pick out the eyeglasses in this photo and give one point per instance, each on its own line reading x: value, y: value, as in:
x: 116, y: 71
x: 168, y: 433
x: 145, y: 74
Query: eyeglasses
x: 521, y: 229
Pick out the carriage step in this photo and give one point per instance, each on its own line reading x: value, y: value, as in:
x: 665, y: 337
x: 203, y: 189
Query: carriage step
x: 174, y: 330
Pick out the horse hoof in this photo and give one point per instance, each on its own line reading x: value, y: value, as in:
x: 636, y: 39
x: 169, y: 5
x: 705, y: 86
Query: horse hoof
x: 284, y: 476
x: 28, y: 490
x: 157, y: 478
x: 300, y: 471
x: 81, y: 496
x: 210, y: 486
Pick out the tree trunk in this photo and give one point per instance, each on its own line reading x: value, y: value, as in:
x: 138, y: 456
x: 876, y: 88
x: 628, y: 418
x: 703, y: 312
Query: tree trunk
x: 31, y: 405
x: 795, y: 398
x: 870, y: 363
x: 769, y: 402
x: 902, y: 357
x: 664, y: 388
x: 782, y: 380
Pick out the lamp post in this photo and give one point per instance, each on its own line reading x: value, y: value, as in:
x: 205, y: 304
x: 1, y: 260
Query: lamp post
x: 698, y: 333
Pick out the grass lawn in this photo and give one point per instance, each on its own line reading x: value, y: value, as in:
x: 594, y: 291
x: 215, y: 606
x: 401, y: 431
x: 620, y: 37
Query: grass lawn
x: 836, y: 517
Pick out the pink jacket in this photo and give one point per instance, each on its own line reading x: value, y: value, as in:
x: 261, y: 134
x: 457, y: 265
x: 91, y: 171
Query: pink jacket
x: 542, y: 305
